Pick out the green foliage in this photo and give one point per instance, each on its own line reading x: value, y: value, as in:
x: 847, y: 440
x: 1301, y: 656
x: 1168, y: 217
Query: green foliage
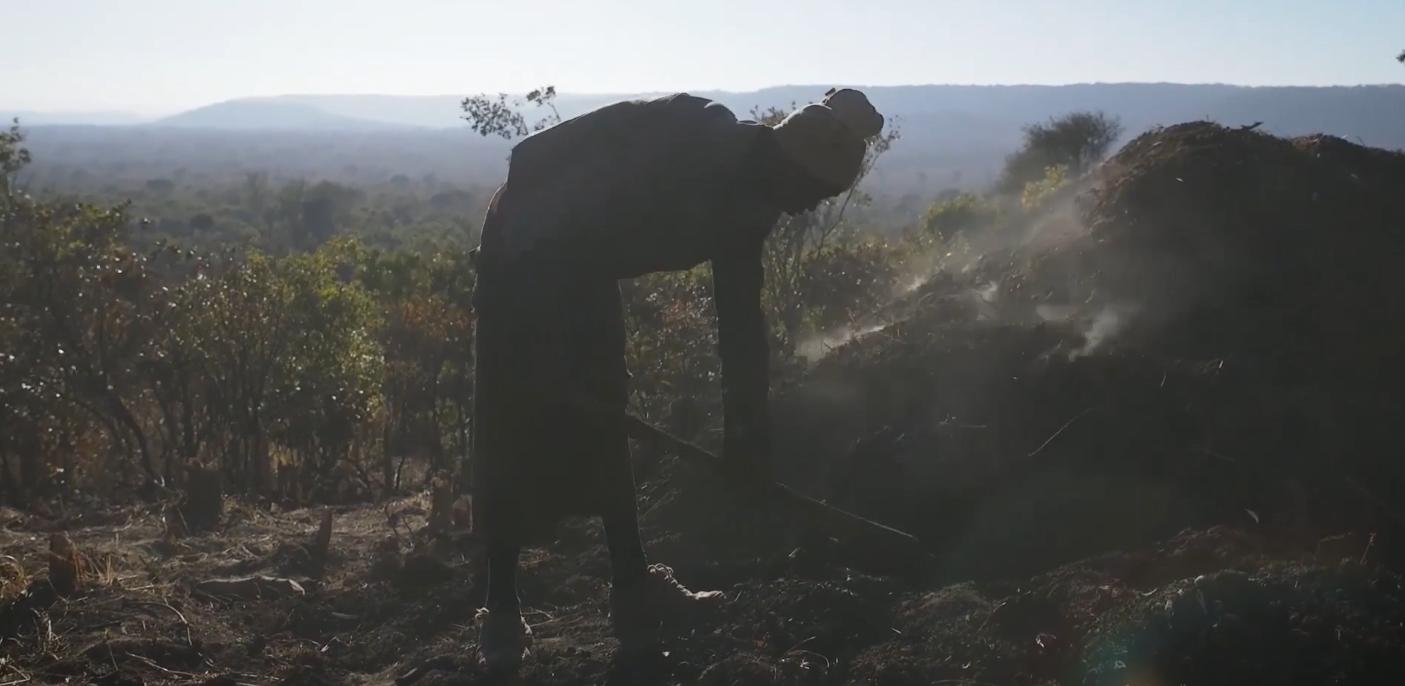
x: 314, y: 352
x: 1038, y: 192
x: 964, y: 213
x: 671, y: 347
x: 425, y: 332
x: 233, y: 328
x: 13, y: 157
x: 277, y: 368
x: 256, y: 210
x: 1074, y: 141
x: 845, y: 280
x: 325, y: 384
x: 77, y: 319
x: 502, y: 116
x: 309, y: 338
x: 309, y: 215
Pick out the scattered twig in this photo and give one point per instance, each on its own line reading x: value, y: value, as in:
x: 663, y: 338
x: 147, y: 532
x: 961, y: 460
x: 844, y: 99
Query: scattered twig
x: 991, y: 615
x: 184, y: 622
x: 111, y: 657
x: 809, y: 654
x: 1056, y: 434
x: 797, y: 646
x: 156, y: 665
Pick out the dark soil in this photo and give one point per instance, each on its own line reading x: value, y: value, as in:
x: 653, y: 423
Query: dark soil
x: 1222, y: 605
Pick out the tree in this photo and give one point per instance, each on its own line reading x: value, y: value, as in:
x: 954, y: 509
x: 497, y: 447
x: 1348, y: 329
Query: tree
x: 84, y: 302
x: 236, y: 327
x: 309, y: 215
x: 324, y: 385
x: 966, y: 212
x: 1074, y: 141
x: 13, y: 157
x: 503, y: 116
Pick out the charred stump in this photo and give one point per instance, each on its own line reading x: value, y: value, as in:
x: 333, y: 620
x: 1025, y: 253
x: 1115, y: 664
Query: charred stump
x: 202, y: 507
x: 441, y: 504
x: 322, y: 545
x: 65, y: 575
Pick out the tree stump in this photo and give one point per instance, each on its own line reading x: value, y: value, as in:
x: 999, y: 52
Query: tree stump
x: 441, y: 504
x: 174, y: 525
x: 463, y: 513
x: 64, y: 573
x: 203, y: 504
x: 322, y: 544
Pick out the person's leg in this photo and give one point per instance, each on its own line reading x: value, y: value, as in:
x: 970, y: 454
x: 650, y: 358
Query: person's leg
x: 503, y: 637
x: 494, y: 424
x: 641, y: 594
x: 610, y: 376
x: 628, y: 564
x: 502, y: 578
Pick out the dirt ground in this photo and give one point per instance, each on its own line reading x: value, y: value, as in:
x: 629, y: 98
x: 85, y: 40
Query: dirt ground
x: 1158, y: 450
x: 1221, y: 605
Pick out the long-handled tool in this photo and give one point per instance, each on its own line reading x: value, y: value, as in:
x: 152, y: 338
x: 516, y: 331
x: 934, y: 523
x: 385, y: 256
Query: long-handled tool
x: 841, y: 524
x: 894, y: 545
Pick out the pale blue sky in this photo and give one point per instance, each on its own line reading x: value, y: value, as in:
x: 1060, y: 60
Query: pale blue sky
x: 155, y: 56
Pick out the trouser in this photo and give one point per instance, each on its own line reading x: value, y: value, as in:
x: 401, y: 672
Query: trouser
x: 535, y: 458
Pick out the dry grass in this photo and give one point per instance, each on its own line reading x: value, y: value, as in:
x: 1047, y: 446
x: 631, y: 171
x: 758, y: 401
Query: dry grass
x: 13, y: 578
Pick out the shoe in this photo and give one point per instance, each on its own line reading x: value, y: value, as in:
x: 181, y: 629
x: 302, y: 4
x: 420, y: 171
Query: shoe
x: 638, y: 611
x: 503, y: 640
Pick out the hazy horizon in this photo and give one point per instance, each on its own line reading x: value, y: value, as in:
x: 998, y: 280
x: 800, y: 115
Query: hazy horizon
x: 154, y: 114
x: 158, y: 57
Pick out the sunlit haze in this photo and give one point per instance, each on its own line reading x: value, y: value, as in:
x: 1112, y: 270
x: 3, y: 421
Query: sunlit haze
x: 161, y: 56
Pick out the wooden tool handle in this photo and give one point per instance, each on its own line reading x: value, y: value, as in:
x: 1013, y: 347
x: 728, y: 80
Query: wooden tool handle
x: 833, y: 520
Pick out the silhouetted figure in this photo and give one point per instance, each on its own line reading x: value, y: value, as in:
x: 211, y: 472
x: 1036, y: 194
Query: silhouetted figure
x: 632, y: 188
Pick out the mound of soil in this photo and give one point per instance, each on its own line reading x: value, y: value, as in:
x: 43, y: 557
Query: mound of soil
x: 1226, y: 241
x: 1220, y: 342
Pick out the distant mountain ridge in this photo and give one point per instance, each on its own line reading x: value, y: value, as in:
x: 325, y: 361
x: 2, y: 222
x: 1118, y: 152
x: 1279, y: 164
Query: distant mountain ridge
x: 1378, y: 110
x: 271, y: 113
x: 952, y: 136
x: 960, y: 134
x: 74, y: 118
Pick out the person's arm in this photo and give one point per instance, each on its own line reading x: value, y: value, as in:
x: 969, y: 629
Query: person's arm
x: 741, y: 331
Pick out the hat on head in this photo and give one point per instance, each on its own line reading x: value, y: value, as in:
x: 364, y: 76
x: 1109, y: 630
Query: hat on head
x: 854, y: 109
x: 827, y: 140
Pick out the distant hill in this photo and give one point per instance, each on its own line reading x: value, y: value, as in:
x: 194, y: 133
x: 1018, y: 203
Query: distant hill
x: 952, y: 136
x: 272, y: 113
x: 89, y: 118
x: 1374, y: 113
